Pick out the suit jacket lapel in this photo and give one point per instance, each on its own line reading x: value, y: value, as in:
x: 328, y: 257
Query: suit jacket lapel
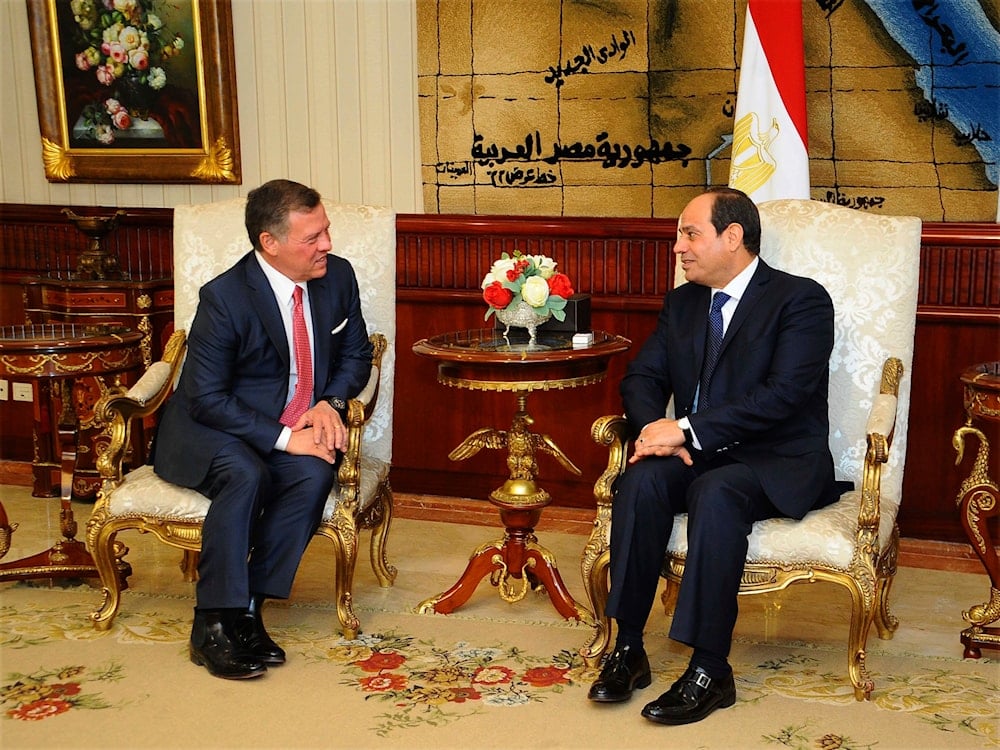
x: 262, y: 300
x: 319, y: 295
x: 753, y: 294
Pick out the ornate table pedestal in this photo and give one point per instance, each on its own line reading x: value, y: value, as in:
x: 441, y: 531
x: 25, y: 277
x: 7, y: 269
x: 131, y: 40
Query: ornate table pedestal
x: 979, y: 499
x: 489, y: 361
x: 57, y: 355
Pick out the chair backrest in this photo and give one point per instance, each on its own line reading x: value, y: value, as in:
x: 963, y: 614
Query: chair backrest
x: 870, y: 265
x: 210, y: 237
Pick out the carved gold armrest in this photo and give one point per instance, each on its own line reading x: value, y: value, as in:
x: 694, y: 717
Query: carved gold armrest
x: 359, y: 411
x: 880, y: 429
x: 610, y: 431
x: 119, y: 410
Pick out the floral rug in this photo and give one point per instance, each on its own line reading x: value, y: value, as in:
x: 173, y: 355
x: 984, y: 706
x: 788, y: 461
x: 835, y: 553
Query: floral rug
x: 439, y: 681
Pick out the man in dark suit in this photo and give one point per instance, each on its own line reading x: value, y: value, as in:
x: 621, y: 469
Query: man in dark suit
x: 750, y: 442
x: 257, y: 423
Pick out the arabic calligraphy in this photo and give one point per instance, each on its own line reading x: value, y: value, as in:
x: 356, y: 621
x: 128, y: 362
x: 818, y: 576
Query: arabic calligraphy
x: 581, y: 63
x: 932, y: 110
x: 859, y: 201
x: 976, y: 133
x: 927, y: 10
x: 517, y: 177
x: 610, y: 155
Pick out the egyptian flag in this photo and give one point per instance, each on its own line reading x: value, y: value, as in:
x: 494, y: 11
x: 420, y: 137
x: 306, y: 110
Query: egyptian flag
x: 770, y: 140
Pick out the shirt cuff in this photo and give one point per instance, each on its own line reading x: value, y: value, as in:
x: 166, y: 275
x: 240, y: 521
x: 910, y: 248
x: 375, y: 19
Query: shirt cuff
x: 282, y: 442
x: 685, y: 424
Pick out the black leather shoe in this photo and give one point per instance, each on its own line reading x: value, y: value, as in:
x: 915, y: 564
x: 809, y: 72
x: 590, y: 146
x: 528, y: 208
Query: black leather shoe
x: 251, y: 635
x: 624, y: 671
x: 218, y: 651
x: 693, y: 697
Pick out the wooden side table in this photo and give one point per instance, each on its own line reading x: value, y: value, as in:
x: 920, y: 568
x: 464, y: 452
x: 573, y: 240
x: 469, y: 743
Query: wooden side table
x: 55, y: 357
x: 978, y: 500
x: 487, y: 360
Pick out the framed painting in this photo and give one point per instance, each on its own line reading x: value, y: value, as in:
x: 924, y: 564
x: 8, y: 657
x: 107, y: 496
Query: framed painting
x: 136, y: 90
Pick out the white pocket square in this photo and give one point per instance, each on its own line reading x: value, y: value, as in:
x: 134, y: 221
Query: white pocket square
x: 339, y: 328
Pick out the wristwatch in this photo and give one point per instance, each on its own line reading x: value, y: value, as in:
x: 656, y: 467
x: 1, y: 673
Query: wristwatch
x: 336, y: 402
x: 685, y: 426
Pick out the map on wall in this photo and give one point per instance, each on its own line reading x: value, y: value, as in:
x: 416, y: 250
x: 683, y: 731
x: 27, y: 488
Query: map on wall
x: 625, y: 107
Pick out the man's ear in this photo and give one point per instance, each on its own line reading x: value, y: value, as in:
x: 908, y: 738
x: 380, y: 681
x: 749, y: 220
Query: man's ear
x: 268, y: 244
x: 734, y: 235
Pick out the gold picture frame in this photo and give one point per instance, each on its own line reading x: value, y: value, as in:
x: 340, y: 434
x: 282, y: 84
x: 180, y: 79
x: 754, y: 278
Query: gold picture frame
x: 144, y: 94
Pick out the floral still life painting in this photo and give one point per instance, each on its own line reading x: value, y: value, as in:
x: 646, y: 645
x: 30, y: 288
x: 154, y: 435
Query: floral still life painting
x: 129, y: 78
x: 136, y: 90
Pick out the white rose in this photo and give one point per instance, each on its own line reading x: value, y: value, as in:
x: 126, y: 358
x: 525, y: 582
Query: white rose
x: 500, y: 268
x: 535, y: 291
x: 545, y: 265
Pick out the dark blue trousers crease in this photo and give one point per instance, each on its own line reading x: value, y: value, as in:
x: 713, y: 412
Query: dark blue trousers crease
x: 264, y: 512
x: 722, y: 499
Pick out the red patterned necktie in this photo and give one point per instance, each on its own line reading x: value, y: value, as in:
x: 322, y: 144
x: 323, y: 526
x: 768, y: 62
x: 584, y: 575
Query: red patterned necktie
x: 303, y: 364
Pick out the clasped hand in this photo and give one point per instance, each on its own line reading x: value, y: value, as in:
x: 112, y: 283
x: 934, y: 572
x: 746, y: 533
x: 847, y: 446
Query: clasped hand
x: 319, y: 432
x: 660, y: 438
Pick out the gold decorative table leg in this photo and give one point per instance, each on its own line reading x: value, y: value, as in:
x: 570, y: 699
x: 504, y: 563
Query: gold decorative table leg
x: 978, y: 500
x: 515, y: 562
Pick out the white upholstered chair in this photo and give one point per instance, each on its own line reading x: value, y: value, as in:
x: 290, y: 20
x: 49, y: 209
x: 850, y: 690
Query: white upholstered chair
x: 208, y: 239
x: 870, y: 266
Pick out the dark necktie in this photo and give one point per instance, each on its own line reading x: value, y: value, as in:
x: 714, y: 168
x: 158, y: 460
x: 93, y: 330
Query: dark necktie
x: 303, y: 364
x: 713, y: 345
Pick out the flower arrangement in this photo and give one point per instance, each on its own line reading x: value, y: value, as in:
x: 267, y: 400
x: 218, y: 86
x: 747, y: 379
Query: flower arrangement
x: 126, y: 45
x: 531, y: 279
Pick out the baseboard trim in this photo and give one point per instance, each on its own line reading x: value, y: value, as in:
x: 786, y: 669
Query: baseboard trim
x: 913, y: 553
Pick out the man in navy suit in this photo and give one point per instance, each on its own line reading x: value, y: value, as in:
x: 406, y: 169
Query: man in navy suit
x: 247, y: 430
x: 750, y: 442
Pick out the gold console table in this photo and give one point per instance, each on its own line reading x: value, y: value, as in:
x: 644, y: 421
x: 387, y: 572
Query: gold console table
x: 487, y: 360
x: 978, y: 500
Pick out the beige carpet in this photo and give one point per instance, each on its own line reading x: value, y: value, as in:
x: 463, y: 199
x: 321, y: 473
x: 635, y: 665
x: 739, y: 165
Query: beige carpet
x: 491, y: 674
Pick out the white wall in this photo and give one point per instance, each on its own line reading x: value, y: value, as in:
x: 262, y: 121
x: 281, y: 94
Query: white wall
x: 327, y: 96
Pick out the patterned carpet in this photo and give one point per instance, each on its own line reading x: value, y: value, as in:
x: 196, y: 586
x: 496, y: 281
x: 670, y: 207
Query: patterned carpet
x: 492, y: 674
x: 440, y: 681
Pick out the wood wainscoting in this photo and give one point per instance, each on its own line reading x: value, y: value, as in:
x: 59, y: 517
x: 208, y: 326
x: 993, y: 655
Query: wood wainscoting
x: 626, y: 265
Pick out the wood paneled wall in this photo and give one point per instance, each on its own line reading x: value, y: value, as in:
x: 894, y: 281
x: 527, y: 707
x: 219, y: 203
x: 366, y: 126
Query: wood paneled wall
x: 627, y: 266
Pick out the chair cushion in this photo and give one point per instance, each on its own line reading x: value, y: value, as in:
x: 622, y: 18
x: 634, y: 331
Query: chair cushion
x: 142, y: 493
x: 825, y: 537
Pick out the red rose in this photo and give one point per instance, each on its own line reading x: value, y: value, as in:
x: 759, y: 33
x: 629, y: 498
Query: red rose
x: 560, y: 285
x: 545, y: 676
x: 380, y: 660
x: 497, y: 295
x: 39, y: 710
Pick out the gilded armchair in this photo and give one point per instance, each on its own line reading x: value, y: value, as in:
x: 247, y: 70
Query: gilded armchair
x: 870, y: 266
x: 208, y: 239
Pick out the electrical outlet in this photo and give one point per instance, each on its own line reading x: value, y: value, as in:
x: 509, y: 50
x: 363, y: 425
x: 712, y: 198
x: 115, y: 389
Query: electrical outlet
x: 4, y: 388
x: 22, y: 391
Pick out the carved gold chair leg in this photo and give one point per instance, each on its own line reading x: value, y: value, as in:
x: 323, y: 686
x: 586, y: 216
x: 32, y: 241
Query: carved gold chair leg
x: 102, y: 546
x: 863, y: 611
x: 189, y: 565
x: 595, y: 579
x: 341, y: 530
x: 379, y: 520
x: 669, y: 596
